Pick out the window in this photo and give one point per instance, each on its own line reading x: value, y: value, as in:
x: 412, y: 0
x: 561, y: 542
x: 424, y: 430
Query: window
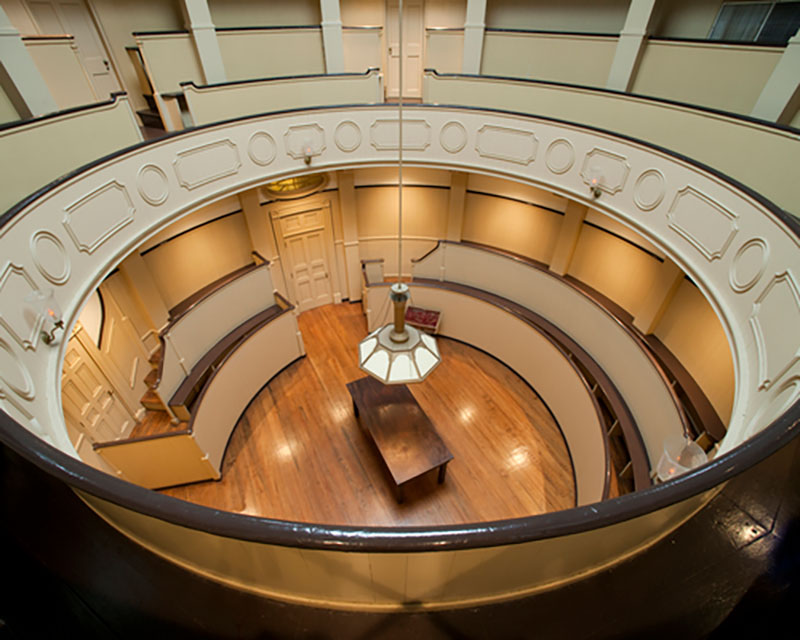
x: 761, y: 22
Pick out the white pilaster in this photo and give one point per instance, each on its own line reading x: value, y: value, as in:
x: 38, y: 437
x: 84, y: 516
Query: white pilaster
x: 474, y: 26
x: 198, y: 19
x: 332, y: 41
x: 780, y: 97
x: 455, y: 215
x: 352, y: 257
x: 630, y: 45
x: 143, y: 284
x: 660, y: 294
x: 19, y: 76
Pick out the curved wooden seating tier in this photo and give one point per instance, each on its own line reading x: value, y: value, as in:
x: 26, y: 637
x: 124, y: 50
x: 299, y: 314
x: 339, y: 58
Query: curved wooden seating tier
x: 654, y: 407
x: 264, y: 345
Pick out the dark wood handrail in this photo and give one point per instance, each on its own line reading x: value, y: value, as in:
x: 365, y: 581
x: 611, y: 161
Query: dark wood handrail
x: 152, y: 436
x: 565, y: 344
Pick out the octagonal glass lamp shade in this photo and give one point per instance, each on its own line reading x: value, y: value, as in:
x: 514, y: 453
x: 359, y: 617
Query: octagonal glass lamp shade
x: 394, y: 362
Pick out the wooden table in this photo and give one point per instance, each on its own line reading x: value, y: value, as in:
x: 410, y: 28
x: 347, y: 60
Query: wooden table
x: 403, y: 434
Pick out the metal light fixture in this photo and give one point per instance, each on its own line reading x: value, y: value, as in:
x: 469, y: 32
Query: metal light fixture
x: 45, y: 306
x: 397, y: 353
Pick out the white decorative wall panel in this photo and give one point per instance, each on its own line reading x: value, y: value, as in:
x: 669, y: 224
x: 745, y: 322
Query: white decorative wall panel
x: 18, y: 319
x: 50, y: 256
x: 304, y: 140
x: 261, y: 148
x: 560, y: 156
x: 206, y: 163
x: 749, y: 264
x: 385, y: 134
x: 506, y: 143
x: 775, y: 321
x: 704, y: 222
x: 98, y: 215
x: 453, y: 137
x: 649, y: 190
x: 347, y: 136
x: 153, y: 184
x: 611, y: 169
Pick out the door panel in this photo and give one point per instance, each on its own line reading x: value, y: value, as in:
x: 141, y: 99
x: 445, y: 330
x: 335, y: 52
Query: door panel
x: 413, y: 33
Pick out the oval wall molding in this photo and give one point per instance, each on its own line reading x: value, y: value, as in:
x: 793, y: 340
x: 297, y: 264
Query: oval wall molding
x: 53, y: 263
x: 560, y: 156
x: 10, y: 364
x: 752, y: 257
x: 453, y: 137
x: 152, y: 184
x: 261, y: 148
x: 347, y: 136
x: 649, y: 189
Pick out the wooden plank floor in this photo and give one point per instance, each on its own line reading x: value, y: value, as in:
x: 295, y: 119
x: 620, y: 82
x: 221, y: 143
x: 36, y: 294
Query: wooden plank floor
x: 298, y: 452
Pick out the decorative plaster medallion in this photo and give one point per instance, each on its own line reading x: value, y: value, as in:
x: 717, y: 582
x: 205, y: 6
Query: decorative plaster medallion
x: 705, y: 223
x: 505, y: 143
x: 206, y: 163
x: 347, y: 136
x: 98, y: 215
x: 649, y: 190
x: 774, y: 321
x: 748, y: 264
x: 304, y: 140
x: 14, y: 374
x: 261, y: 148
x: 453, y: 137
x: 560, y: 156
x: 152, y: 184
x: 384, y: 134
x: 50, y: 257
x: 21, y: 321
x: 613, y: 167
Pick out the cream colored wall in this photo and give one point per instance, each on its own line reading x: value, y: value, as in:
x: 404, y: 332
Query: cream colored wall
x: 194, y: 259
x: 727, y: 77
x: 516, y: 190
x: 424, y: 222
x: 511, y: 225
x: 692, y: 331
x: 685, y: 18
x: 614, y: 267
x: 574, y: 59
x: 606, y: 16
x: 361, y: 13
x: 119, y: 18
x: 7, y: 111
x: 19, y: 16
x: 261, y: 54
x: 445, y: 13
x: 62, y: 71
x: 257, y: 13
x: 444, y: 50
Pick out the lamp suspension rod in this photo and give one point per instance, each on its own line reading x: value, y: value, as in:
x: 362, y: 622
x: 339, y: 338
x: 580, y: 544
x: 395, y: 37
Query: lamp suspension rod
x: 400, y: 146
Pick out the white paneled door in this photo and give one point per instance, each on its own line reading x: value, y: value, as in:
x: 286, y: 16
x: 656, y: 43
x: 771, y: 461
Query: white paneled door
x: 72, y: 16
x: 90, y: 402
x: 412, y: 49
x: 306, y: 249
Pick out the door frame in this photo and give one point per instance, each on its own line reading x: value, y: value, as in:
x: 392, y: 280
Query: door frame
x: 285, y: 208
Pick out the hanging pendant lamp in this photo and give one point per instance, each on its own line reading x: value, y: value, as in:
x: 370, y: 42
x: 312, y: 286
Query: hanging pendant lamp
x: 397, y: 353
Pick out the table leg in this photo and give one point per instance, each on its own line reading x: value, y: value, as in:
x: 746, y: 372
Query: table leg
x: 442, y: 472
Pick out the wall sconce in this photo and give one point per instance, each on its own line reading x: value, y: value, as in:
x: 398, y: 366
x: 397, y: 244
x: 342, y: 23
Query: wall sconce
x: 680, y: 455
x: 308, y: 152
x: 595, y: 182
x: 45, y: 306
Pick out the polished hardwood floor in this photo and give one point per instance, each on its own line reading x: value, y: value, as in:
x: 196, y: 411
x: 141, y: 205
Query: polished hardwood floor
x: 298, y: 453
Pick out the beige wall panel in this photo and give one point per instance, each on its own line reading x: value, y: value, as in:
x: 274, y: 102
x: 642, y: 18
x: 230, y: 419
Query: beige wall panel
x: 444, y: 50
x: 120, y: 18
x: 584, y: 60
x: 685, y: 18
x: 210, y: 212
x: 362, y: 49
x: 727, y: 77
x: 510, y: 225
x: 614, y: 267
x: 62, y: 71
x: 237, y: 380
x: 515, y: 190
x: 131, y: 306
x: 262, y: 54
x: 216, y: 103
x: 693, y: 332
x: 557, y: 15
x: 171, y: 59
x: 361, y: 13
x: 192, y: 260
x: 424, y: 211
x: 257, y: 13
x: 161, y: 462
x: 19, y: 16
x: 445, y: 13
x: 70, y: 140
x: 610, y: 224
x: 796, y: 120
x: 7, y: 111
